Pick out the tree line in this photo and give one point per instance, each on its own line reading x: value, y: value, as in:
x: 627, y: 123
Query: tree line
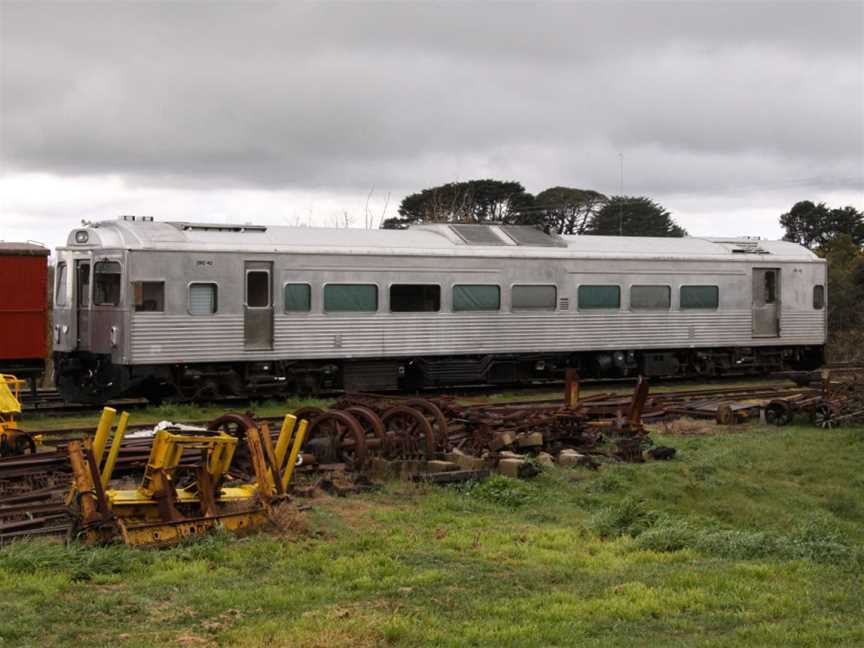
x: 837, y: 235
x: 559, y: 210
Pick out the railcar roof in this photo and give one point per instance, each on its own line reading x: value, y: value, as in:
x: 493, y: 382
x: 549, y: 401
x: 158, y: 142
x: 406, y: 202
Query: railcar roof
x: 22, y: 249
x: 438, y: 239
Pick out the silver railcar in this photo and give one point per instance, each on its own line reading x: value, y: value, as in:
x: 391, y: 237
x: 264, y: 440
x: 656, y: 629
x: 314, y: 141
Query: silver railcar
x: 163, y: 309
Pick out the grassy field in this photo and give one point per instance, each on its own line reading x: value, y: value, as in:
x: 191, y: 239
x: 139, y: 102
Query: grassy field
x: 750, y: 538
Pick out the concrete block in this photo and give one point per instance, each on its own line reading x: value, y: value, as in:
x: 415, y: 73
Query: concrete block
x: 530, y: 440
x: 511, y: 467
x: 440, y: 466
x: 502, y: 440
x: 545, y: 459
x: 569, y: 458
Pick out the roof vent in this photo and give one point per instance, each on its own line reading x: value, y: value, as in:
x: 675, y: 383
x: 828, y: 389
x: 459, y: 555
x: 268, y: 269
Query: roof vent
x: 478, y: 234
x: 218, y: 227
x: 532, y: 236
x: 743, y: 245
x: 747, y: 247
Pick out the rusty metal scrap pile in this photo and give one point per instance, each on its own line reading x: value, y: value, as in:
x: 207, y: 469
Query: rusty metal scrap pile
x: 442, y: 439
x: 362, y: 431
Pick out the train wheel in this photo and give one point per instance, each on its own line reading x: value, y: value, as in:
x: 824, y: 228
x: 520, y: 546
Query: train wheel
x: 436, y: 419
x: 347, y: 438
x: 410, y: 431
x: 233, y: 424
x: 822, y: 417
x: 309, y: 413
x: 777, y: 414
x: 373, y: 427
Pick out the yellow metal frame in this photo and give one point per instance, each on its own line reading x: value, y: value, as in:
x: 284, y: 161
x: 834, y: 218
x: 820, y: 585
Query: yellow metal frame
x: 10, y: 409
x: 158, y: 512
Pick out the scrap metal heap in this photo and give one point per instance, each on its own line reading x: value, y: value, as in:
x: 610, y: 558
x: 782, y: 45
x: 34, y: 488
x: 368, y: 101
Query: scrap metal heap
x: 363, y: 430
x: 235, y: 470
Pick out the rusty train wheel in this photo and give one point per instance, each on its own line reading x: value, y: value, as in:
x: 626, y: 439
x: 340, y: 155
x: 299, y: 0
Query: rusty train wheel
x: 373, y: 427
x: 436, y: 419
x: 346, y: 436
x: 411, y: 433
x: 233, y: 424
x: 309, y: 413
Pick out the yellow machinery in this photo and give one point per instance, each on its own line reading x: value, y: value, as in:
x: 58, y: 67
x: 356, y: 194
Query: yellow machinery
x: 13, y: 440
x: 178, y: 498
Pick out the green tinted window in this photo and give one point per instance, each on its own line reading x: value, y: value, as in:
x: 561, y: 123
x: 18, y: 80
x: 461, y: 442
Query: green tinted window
x: 599, y: 297
x: 298, y: 298
x: 476, y: 298
x: 350, y: 298
x: 700, y: 296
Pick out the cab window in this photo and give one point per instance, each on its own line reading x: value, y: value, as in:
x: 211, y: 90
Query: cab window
x: 106, y: 283
x: 60, y: 295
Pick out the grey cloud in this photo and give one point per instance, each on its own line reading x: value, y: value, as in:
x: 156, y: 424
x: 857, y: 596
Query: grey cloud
x: 402, y: 96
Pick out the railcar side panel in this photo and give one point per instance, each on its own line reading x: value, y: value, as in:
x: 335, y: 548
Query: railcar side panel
x: 23, y: 310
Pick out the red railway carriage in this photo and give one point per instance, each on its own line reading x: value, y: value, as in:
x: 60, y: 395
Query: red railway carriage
x: 23, y: 310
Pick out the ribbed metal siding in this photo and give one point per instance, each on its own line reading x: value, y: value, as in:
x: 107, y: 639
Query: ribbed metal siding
x: 158, y: 338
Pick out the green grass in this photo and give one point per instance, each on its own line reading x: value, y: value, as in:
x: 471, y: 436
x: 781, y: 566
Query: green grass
x: 171, y: 412
x: 754, y: 538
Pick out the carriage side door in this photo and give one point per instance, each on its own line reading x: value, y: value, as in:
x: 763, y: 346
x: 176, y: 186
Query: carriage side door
x: 258, y: 305
x: 82, y: 304
x: 766, y: 302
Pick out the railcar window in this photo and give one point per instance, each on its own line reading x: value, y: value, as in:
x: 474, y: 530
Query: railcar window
x: 770, y: 287
x: 149, y: 296
x: 415, y: 298
x: 60, y: 295
x: 650, y: 297
x: 298, y: 298
x: 533, y: 297
x: 476, y: 298
x: 203, y: 298
x: 258, y: 289
x: 599, y: 297
x: 351, y: 297
x: 106, y: 283
x: 819, y: 297
x: 700, y: 296
x: 83, y: 271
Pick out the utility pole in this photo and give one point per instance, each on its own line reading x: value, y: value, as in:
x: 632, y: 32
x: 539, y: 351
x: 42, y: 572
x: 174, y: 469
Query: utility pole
x: 621, y: 196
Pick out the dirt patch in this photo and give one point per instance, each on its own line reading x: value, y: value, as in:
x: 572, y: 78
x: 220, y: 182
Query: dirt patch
x: 289, y: 520
x: 355, y: 511
x: 696, y: 427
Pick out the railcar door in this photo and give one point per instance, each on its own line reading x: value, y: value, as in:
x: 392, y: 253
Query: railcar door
x: 766, y: 302
x: 258, y: 305
x: 82, y: 304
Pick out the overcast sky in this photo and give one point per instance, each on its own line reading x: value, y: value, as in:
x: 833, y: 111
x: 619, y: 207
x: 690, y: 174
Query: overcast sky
x: 284, y: 113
